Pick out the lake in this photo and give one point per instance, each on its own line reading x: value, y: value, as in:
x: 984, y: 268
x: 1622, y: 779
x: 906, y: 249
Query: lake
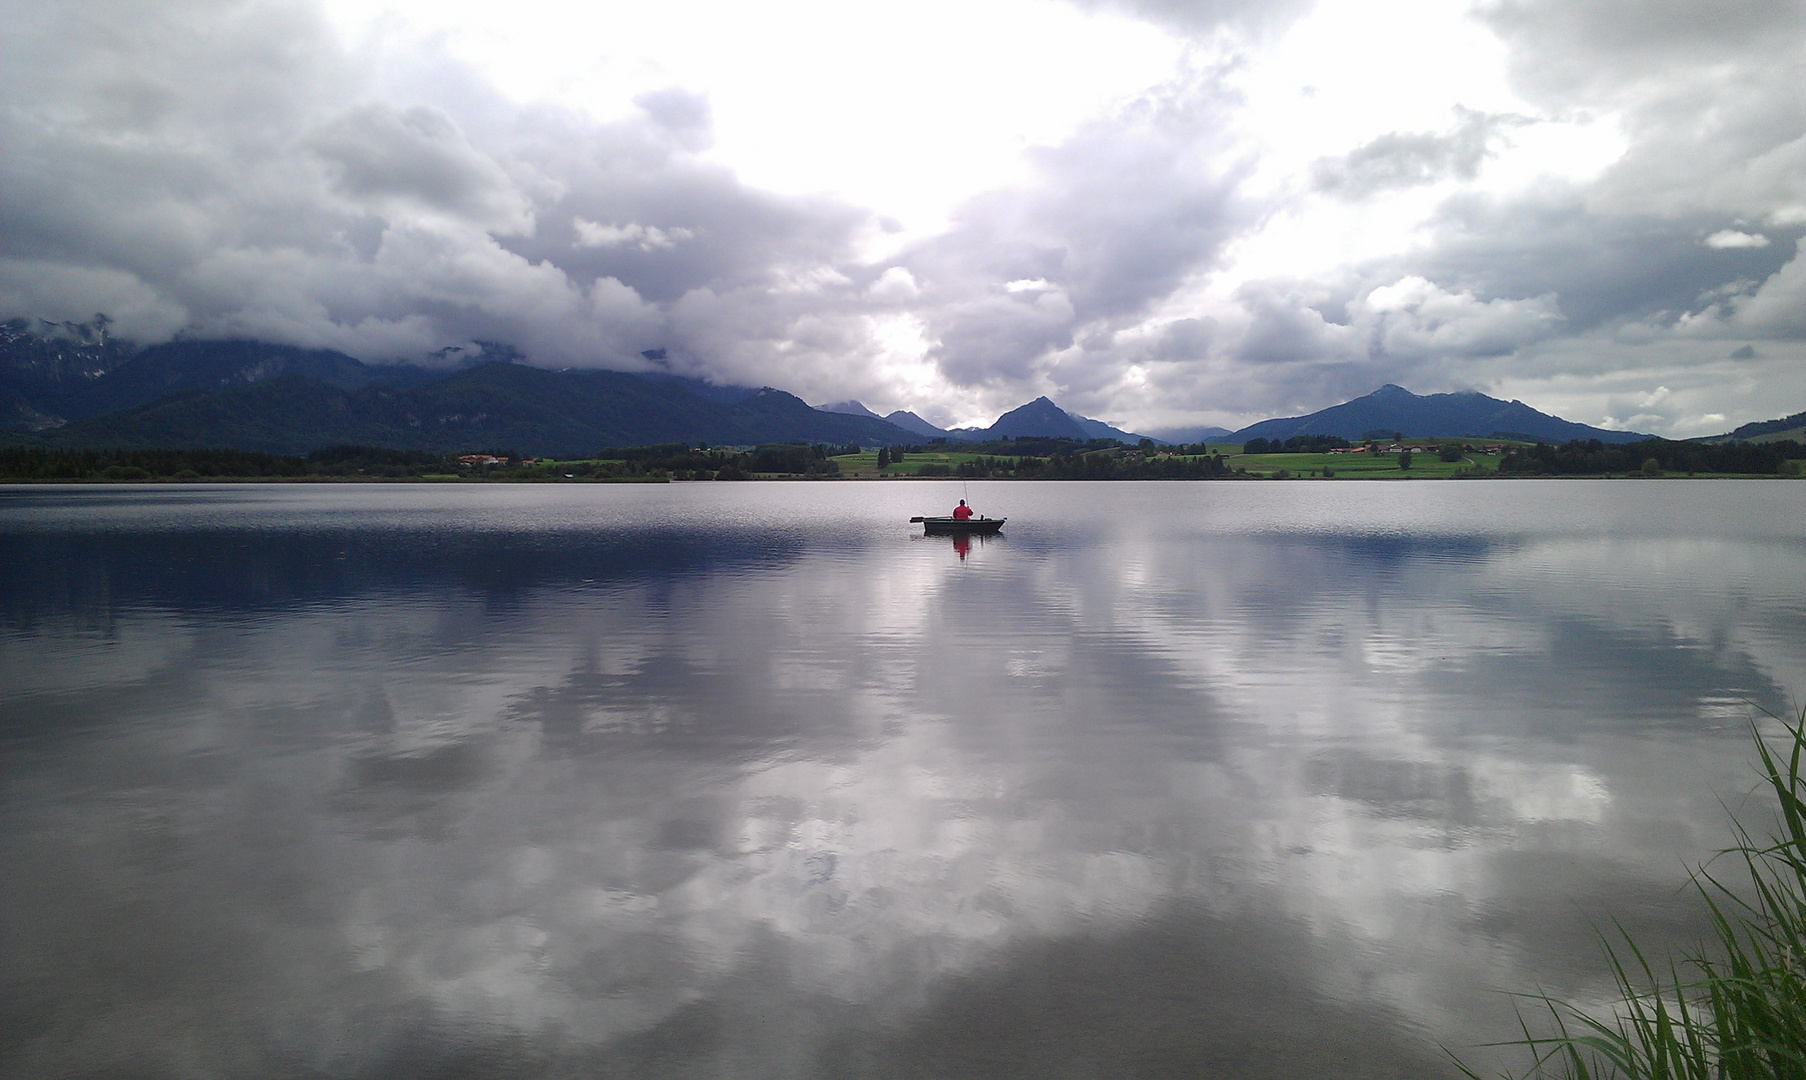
x: 753, y: 780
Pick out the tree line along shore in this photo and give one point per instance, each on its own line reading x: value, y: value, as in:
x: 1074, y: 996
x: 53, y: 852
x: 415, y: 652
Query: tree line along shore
x: 1305, y: 457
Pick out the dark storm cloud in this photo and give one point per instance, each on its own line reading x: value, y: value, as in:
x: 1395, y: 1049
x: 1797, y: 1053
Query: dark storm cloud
x: 1605, y: 267
x: 1117, y: 218
x: 1186, y: 339
x: 418, y: 155
x: 1284, y: 324
x: 1608, y: 47
x: 1709, y: 93
x: 1400, y: 159
x: 126, y: 137
x: 227, y: 169
x: 717, y: 233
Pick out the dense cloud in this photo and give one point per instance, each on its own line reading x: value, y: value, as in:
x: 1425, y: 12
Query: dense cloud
x: 1620, y: 215
x: 1113, y: 221
x: 218, y: 189
x: 1400, y: 159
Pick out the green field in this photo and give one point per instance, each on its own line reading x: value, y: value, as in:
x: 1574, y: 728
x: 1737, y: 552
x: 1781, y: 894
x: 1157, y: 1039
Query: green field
x: 865, y: 465
x: 1361, y: 466
x: 1364, y: 466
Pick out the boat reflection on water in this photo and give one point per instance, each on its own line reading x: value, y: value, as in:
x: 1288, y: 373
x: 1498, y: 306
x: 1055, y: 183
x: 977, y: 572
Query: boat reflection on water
x: 962, y: 542
x: 962, y: 529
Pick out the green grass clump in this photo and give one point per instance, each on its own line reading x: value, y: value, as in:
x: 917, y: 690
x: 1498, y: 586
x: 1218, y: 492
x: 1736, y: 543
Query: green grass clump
x: 1733, y: 1010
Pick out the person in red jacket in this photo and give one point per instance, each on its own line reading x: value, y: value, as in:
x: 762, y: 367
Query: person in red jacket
x: 962, y: 512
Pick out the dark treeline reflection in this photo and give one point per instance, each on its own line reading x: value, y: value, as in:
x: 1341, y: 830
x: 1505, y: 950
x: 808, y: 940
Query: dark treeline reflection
x: 248, y: 570
x: 703, y: 781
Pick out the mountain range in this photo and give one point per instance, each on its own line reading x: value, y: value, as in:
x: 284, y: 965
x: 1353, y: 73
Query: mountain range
x: 490, y: 406
x: 76, y: 385
x: 1462, y: 415
x: 87, y: 390
x: 1039, y: 418
x: 1197, y: 433
x: 903, y: 418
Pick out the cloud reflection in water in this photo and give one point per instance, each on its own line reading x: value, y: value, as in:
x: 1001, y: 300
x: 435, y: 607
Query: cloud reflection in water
x: 1184, y: 787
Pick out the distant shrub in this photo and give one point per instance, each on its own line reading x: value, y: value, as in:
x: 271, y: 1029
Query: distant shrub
x: 935, y: 470
x: 1297, y: 444
x: 1652, y: 467
x: 1576, y: 458
x: 792, y: 459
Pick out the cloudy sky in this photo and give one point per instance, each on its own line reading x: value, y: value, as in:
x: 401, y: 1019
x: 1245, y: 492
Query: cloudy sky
x: 1155, y: 212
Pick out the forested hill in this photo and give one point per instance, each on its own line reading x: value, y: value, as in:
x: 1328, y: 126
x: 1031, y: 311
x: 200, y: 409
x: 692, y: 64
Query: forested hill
x: 1041, y: 418
x: 495, y: 404
x: 1788, y: 427
x: 76, y: 385
x: 1653, y: 457
x: 81, y: 370
x: 1466, y: 415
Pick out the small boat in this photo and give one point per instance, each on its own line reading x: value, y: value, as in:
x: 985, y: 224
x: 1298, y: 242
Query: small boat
x: 973, y: 526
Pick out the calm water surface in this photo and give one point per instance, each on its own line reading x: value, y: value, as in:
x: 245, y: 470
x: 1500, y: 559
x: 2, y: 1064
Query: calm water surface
x: 751, y: 780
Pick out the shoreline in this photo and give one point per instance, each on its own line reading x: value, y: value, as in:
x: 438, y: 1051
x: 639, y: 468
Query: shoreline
x: 100, y: 481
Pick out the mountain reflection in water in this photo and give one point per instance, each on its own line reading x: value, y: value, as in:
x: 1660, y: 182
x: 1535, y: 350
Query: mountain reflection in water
x: 755, y: 780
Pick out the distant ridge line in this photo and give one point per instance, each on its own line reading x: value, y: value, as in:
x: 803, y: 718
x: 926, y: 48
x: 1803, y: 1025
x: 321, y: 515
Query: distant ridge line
x: 1467, y: 414
x: 75, y: 384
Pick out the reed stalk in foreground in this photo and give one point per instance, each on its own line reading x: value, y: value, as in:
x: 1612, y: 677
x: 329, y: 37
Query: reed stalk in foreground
x: 1735, y: 1010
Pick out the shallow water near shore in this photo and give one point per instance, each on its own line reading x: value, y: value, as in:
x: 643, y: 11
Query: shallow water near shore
x: 754, y: 780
